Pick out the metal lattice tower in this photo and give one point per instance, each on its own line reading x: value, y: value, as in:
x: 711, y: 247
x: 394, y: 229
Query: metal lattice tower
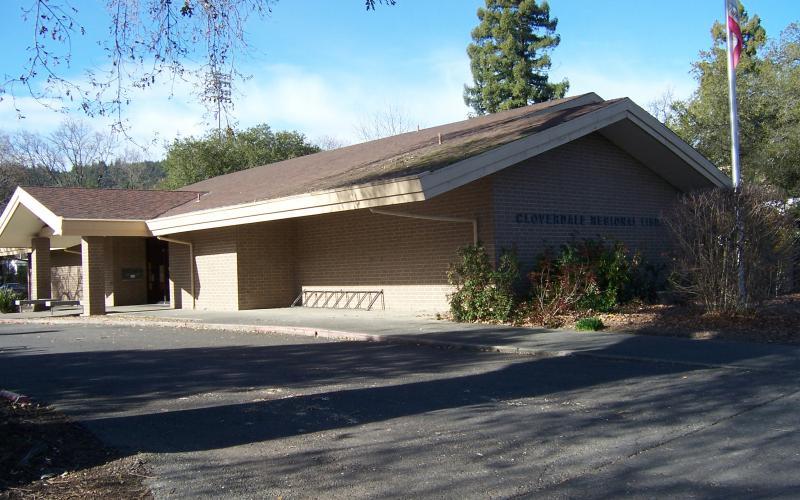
x: 218, y: 94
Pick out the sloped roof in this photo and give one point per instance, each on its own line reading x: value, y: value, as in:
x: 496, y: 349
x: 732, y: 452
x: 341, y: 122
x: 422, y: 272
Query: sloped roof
x: 386, y: 159
x: 410, y: 167
x: 118, y: 204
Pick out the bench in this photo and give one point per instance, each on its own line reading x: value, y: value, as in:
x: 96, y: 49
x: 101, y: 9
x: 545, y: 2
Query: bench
x: 38, y: 304
x: 48, y: 303
x: 53, y: 304
x: 31, y: 302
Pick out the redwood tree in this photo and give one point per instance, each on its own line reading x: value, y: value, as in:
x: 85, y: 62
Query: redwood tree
x: 510, y: 56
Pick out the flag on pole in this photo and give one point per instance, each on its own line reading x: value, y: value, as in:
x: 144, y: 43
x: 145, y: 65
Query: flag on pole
x: 735, y: 30
x: 735, y: 44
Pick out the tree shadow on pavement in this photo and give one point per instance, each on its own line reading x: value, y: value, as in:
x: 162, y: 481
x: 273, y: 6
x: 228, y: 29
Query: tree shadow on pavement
x: 133, y: 399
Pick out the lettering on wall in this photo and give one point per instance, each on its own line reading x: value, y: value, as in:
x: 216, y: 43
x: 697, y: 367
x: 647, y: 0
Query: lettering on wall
x: 586, y: 220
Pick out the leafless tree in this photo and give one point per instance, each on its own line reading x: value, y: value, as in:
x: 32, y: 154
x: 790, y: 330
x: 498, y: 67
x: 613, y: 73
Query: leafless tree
x: 703, y: 227
x: 661, y: 107
x: 11, y: 173
x: 328, y: 142
x: 393, y: 120
x: 131, y: 170
x: 64, y: 157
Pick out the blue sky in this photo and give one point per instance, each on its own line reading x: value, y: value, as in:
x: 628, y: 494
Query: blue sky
x: 322, y: 66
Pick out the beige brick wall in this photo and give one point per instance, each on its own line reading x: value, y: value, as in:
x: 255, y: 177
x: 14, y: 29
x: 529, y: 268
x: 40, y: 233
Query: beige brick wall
x: 40, y: 281
x: 66, y: 275
x: 109, y: 258
x: 269, y: 263
x: 266, y: 264
x: 179, y: 277
x: 589, y: 177
x: 93, y: 268
x: 407, y: 258
x: 215, y: 270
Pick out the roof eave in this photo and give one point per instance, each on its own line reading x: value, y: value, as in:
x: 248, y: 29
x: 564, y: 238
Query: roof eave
x: 403, y: 190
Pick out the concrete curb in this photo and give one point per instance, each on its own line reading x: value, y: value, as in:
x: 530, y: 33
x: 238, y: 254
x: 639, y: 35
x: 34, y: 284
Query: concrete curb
x: 305, y: 331
x: 340, y: 335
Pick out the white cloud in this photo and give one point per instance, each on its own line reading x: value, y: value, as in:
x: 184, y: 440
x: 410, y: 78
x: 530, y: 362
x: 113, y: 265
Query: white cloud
x: 331, y: 103
x: 317, y: 103
x: 41, y: 116
x: 611, y: 81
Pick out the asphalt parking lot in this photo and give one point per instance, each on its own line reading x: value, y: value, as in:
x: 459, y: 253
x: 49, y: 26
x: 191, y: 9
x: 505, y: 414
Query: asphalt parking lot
x: 256, y: 415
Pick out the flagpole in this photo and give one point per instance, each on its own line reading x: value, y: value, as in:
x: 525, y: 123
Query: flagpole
x: 735, y: 166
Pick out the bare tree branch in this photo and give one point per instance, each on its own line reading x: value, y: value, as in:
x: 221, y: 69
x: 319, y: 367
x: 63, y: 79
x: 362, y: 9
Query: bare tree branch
x: 63, y: 158
x: 148, y: 42
x: 391, y: 121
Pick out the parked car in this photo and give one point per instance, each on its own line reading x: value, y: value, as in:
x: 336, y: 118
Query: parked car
x: 17, y: 288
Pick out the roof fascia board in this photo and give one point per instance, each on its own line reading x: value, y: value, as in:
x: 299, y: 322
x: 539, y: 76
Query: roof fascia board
x: 670, y: 139
x: 484, y: 164
x: 238, y: 217
x: 431, y: 184
x: 388, y: 193
x: 102, y: 227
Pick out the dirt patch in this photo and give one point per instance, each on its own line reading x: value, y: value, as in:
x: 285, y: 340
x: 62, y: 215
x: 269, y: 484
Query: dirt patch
x: 777, y: 322
x: 45, y: 455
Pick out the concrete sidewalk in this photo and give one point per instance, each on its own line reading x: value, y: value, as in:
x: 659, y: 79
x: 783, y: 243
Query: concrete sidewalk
x: 385, y: 326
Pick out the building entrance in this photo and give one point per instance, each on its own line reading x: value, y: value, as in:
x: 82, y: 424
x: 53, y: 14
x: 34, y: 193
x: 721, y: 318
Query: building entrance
x: 157, y: 255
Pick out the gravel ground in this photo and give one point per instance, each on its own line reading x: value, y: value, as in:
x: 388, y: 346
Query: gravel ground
x: 45, y: 455
x: 775, y: 323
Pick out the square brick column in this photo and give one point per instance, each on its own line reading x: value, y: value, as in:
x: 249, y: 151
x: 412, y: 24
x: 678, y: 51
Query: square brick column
x: 93, y: 271
x: 110, y: 275
x: 179, y: 278
x: 40, y: 268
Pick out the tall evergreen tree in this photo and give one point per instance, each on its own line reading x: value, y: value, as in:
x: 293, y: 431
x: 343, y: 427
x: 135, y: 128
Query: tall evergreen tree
x: 509, y: 56
x: 703, y: 120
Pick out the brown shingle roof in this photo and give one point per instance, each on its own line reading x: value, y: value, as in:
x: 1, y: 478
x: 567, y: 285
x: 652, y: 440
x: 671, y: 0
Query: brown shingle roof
x: 127, y: 204
x: 390, y: 158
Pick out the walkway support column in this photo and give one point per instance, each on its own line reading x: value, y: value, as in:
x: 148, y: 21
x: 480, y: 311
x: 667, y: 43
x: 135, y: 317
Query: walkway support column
x: 93, y: 271
x: 40, y: 270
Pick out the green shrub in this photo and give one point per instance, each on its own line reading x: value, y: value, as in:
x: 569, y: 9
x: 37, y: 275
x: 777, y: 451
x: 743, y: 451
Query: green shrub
x: 610, y: 270
x: 7, y: 298
x: 482, y: 293
x: 590, y: 275
x: 590, y: 324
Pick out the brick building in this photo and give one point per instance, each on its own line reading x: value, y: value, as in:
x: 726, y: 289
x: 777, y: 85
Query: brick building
x: 385, y: 216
